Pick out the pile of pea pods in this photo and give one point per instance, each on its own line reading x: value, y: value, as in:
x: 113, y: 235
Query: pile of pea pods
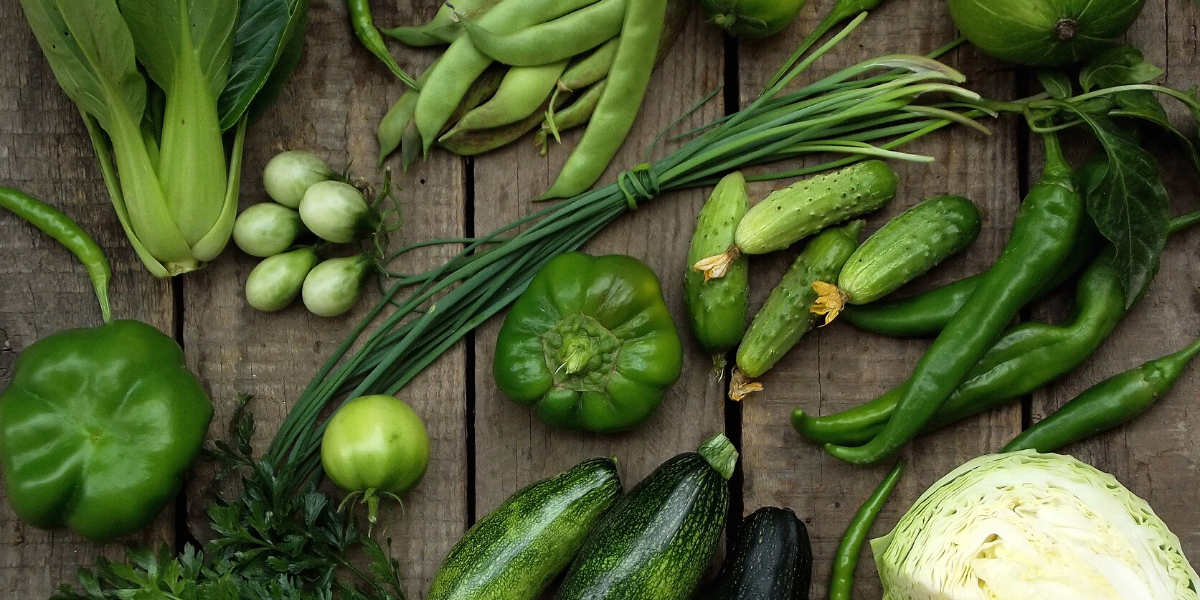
x: 512, y: 67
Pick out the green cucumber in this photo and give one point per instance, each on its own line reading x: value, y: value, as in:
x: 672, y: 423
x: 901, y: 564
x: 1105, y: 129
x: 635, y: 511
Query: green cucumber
x: 772, y: 560
x: 717, y: 308
x: 786, y: 316
x: 515, y: 551
x: 657, y: 541
x: 907, y: 247
x: 791, y: 214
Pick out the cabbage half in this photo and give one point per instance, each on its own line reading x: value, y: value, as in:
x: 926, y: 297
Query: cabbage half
x: 1032, y: 526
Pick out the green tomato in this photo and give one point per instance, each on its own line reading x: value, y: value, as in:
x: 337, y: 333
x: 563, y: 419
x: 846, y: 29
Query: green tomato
x: 289, y: 174
x: 375, y: 445
x: 753, y: 19
x: 266, y: 229
x: 276, y: 281
x: 1043, y: 33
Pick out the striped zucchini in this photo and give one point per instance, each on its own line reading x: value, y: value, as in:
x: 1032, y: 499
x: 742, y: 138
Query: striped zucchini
x: 657, y: 541
x: 515, y: 551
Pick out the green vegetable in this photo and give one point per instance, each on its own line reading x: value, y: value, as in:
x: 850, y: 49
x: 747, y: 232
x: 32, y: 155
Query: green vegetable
x: 336, y: 212
x: 375, y: 445
x: 443, y: 28
x: 276, y: 281
x: 475, y: 142
x: 1028, y: 525
x: 785, y: 317
x: 906, y: 247
x: 842, y: 11
x: 841, y: 577
x: 772, y: 559
x: 334, y: 286
x: 163, y: 161
x: 267, y: 44
x: 1041, y: 240
x: 266, y: 229
x: 515, y: 551
x: 66, y: 232
x: 461, y: 63
x: 590, y: 345
x: 791, y: 214
x: 613, y: 118
x: 657, y: 541
x: 753, y: 19
x: 101, y: 455
x: 717, y: 308
x: 552, y: 41
x: 521, y: 92
x: 1043, y: 33
x: 367, y: 34
x: 1106, y: 405
x: 591, y: 68
x: 289, y: 174
x: 576, y: 114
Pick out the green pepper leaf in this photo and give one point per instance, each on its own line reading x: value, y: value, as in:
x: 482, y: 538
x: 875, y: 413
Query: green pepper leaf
x: 1056, y: 83
x: 266, y: 49
x: 1122, y: 65
x: 1129, y: 205
x: 1145, y: 106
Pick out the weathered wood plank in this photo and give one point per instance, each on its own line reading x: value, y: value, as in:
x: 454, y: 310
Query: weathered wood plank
x: 332, y: 106
x: 514, y: 448
x: 838, y: 367
x: 44, y: 150
x: 1155, y: 456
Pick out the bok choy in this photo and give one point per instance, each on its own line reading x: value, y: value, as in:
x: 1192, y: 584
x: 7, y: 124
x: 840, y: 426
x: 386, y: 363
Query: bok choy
x: 162, y: 132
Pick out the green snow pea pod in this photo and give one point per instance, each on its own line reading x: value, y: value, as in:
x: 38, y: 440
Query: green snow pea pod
x: 476, y: 142
x: 717, y: 307
x: 462, y: 63
x: 637, y: 51
x: 552, y: 41
x: 590, y: 344
x: 521, y: 92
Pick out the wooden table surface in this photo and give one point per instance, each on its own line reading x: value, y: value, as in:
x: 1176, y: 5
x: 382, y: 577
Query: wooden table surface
x: 485, y: 447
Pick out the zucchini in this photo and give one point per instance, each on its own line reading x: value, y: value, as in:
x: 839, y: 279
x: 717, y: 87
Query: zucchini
x: 789, y: 215
x: 515, y: 551
x: 656, y: 542
x: 717, y: 308
x: 772, y: 560
x: 903, y: 249
x: 786, y: 316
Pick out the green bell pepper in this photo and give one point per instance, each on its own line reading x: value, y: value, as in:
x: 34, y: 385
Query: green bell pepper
x: 98, y: 427
x: 590, y: 344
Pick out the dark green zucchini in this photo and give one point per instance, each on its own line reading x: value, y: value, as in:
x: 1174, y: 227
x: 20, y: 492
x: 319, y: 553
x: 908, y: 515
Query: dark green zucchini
x: 656, y: 542
x: 515, y: 551
x: 772, y: 560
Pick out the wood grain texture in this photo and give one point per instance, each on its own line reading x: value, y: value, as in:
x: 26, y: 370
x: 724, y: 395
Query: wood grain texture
x: 1155, y: 456
x: 331, y: 106
x: 514, y: 448
x: 44, y: 150
x: 838, y: 367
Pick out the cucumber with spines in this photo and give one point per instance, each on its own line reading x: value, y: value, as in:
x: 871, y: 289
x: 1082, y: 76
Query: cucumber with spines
x: 903, y: 249
x: 806, y: 207
x: 786, y: 316
x: 717, y: 307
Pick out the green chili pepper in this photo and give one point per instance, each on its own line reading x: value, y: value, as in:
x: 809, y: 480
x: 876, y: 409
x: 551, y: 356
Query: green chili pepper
x: 1106, y: 405
x: 60, y: 227
x: 368, y: 34
x: 841, y: 580
x: 1042, y: 237
x: 1029, y: 356
x: 613, y: 118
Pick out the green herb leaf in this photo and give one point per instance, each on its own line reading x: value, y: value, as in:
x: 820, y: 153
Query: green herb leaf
x: 267, y: 42
x: 1056, y: 83
x: 1129, y: 205
x: 1122, y: 65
